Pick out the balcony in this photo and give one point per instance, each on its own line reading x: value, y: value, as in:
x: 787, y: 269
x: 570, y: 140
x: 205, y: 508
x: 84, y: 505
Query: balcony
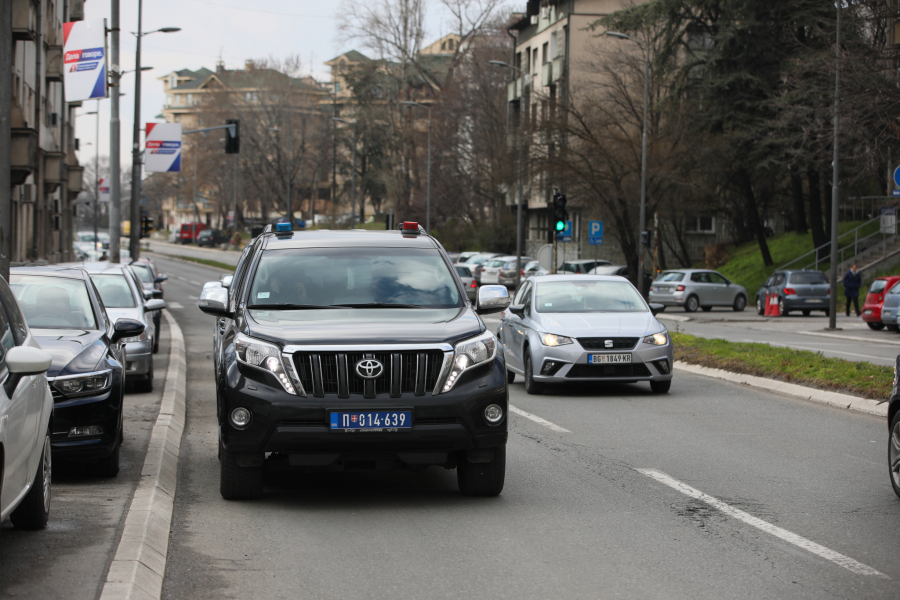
x: 514, y: 90
x: 559, y: 66
x: 75, y: 174
x: 54, y: 171
x: 547, y: 74
x: 24, y: 20
x: 23, y: 154
x: 55, y: 63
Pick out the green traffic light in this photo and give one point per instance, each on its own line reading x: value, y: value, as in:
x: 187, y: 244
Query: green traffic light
x: 560, y: 225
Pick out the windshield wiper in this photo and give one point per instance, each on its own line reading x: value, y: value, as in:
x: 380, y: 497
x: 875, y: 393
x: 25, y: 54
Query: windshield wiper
x: 377, y: 305
x: 289, y: 306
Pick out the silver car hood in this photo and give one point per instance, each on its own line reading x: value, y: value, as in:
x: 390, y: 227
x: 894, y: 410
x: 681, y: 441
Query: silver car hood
x: 599, y: 324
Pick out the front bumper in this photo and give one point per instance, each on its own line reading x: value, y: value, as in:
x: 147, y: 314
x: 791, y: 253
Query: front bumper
x: 570, y: 364
x: 103, y: 410
x: 297, y: 426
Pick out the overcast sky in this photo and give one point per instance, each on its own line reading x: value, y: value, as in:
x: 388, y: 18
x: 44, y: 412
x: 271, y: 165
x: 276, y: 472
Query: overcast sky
x: 233, y: 30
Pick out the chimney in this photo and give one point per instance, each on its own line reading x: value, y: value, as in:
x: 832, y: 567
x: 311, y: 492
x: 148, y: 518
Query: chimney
x: 248, y: 64
x: 220, y: 67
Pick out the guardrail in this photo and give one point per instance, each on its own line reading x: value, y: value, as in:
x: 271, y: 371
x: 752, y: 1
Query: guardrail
x: 853, y: 244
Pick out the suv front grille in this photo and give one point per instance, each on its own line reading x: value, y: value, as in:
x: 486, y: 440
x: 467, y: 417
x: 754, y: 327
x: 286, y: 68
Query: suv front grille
x: 618, y: 343
x: 406, y: 372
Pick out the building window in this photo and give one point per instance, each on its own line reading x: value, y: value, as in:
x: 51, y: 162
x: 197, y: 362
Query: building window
x: 337, y: 87
x: 255, y: 97
x: 169, y: 100
x: 190, y: 98
x: 553, y: 48
x: 247, y: 96
x: 173, y: 82
x: 546, y: 52
x: 443, y: 45
x: 178, y: 99
x: 702, y: 225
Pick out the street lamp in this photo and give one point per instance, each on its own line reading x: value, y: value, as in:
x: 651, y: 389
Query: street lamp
x: 353, y: 172
x: 135, y: 237
x: 521, y: 193
x: 428, y: 192
x: 640, y: 275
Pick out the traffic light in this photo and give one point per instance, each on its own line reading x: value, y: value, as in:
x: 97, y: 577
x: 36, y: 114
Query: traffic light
x: 146, y: 226
x: 560, y: 214
x: 645, y: 238
x: 233, y: 142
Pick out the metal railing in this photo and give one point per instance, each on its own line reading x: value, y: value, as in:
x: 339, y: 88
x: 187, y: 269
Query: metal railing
x: 852, y: 245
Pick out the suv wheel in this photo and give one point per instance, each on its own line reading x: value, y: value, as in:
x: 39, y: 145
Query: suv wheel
x: 740, y: 303
x: 691, y: 304
x: 237, y: 482
x: 482, y: 479
x: 34, y: 510
x: 894, y: 453
x: 531, y: 386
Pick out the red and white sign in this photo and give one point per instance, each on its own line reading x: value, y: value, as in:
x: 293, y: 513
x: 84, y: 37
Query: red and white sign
x: 162, y: 148
x: 84, y: 56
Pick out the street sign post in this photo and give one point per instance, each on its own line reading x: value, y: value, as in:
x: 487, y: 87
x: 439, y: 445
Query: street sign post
x: 595, y: 233
x: 84, y: 57
x: 565, y: 235
x: 162, y: 147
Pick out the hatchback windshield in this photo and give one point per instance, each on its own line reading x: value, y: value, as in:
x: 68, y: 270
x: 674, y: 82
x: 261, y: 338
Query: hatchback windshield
x: 671, y: 276
x: 588, y: 296
x: 143, y: 272
x: 877, y: 286
x: 808, y: 278
x: 114, y: 291
x: 463, y: 271
x: 53, y: 302
x: 354, y: 278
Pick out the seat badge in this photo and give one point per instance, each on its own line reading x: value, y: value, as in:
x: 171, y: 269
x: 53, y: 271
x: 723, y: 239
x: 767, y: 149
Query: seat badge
x: 608, y: 343
x: 369, y: 368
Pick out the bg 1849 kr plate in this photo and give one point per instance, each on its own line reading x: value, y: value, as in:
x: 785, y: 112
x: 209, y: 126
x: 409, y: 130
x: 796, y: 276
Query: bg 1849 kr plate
x: 608, y: 359
x: 372, y: 420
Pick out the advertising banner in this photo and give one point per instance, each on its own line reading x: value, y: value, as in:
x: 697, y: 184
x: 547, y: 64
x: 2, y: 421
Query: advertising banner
x: 84, y: 57
x: 162, y: 149
x: 104, y: 190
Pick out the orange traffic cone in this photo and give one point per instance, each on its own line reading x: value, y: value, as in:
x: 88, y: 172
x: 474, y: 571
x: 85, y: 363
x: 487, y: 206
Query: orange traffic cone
x: 772, y: 305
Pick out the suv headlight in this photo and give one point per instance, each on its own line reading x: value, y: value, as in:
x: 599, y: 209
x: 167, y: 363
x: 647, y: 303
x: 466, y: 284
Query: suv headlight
x: 550, y: 339
x: 470, y: 353
x: 265, y: 356
x: 81, y: 385
x: 658, y: 339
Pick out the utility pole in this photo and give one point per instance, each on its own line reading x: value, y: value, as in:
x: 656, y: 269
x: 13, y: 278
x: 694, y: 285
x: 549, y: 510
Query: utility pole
x: 835, y: 176
x: 134, y: 245
x: 655, y: 246
x: 97, y: 176
x: 6, y: 46
x: 115, y: 176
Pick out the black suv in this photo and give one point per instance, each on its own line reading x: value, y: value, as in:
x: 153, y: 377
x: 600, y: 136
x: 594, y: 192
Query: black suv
x: 356, y: 350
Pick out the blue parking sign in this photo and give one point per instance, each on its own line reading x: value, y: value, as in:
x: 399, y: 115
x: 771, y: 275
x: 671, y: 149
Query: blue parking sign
x: 595, y: 233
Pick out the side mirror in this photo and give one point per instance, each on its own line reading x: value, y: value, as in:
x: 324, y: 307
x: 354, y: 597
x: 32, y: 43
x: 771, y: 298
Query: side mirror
x: 212, y: 284
x: 125, y: 328
x: 214, y: 301
x: 492, y: 299
x: 655, y: 309
x: 517, y: 309
x: 226, y: 280
x: 161, y: 278
x: 25, y: 360
x: 154, y: 304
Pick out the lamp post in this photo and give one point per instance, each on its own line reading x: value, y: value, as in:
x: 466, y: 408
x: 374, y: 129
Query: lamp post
x: 428, y: 190
x: 521, y: 194
x: 353, y: 172
x: 135, y: 236
x: 640, y: 275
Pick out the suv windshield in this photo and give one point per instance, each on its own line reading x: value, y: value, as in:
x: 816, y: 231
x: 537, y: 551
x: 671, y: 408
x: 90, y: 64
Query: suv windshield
x: 53, y: 302
x: 588, y: 296
x: 353, y: 278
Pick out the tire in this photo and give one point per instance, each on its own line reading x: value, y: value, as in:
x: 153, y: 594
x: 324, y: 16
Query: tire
x: 34, y: 511
x: 740, y: 303
x: 782, y: 310
x: 145, y: 386
x: 156, y: 344
x: 691, y: 304
x: 237, y: 482
x: 706, y: 308
x: 532, y: 387
x: 892, y: 328
x: 510, y: 376
x: 806, y: 313
x: 660, y: 387
x: 482, y: 479
x: 760, y: 307
x: 894, y: 453
x: 109, y: 466
x: 876, y: 326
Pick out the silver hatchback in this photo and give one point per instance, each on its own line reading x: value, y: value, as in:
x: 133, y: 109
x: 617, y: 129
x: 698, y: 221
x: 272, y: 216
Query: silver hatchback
x: 697, y: 288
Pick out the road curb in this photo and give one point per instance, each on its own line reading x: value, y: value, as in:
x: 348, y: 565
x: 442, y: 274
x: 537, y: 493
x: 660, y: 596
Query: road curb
x: 139, y: 565
x: 845, y: 401
x: 676, y: 318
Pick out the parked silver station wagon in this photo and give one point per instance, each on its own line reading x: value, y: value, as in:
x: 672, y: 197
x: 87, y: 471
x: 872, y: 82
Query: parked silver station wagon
x: 697, y: 288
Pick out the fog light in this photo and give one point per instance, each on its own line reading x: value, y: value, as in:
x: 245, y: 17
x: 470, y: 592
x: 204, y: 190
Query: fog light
x: 493, y: 414
x: 240, y: 417
x: 89, y: 430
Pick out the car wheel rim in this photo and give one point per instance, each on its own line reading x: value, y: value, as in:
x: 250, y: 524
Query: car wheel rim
x: 528, y: 374
x: 47, y: 466
x: 894, y: 454
x: 693, y: 304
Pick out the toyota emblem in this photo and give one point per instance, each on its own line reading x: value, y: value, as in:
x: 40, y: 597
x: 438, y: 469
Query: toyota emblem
x: 369, y: 368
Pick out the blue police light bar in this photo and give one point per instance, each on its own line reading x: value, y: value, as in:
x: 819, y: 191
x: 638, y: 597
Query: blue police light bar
x: 283, y: 227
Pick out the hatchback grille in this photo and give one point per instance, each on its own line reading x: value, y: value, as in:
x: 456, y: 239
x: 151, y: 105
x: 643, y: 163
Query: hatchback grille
x: 618, y: 343
x: 406, y: 372
x: 632, y: 370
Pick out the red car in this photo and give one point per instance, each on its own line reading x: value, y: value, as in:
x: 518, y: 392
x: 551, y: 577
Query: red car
x: 189, y: 232
x: 871, y: 312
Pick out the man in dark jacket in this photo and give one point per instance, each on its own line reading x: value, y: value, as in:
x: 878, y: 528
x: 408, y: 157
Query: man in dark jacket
x: 852, y: 283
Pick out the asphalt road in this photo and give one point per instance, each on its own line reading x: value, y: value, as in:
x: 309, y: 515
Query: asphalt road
x: 710, y: 491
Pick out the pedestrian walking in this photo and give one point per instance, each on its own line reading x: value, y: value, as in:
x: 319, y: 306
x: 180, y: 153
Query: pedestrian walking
x: 852, y: 283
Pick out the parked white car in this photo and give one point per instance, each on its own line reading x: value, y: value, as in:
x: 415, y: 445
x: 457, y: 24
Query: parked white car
x: 26, y: 407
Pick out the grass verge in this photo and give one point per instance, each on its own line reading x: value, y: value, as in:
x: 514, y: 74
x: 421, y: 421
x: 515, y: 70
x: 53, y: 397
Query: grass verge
x: 203, y: 261
x: 795, y: 366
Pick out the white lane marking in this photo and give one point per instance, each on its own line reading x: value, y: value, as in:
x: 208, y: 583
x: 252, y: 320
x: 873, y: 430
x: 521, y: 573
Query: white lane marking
x: 195, y: 282
x: 873, y: 340
x: 175, y: 305
x: 539, y: 420
x: 180, y: 278
x: 792, y: 538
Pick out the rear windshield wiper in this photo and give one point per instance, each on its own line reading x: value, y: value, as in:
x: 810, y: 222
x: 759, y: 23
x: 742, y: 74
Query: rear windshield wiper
x: 289, y: 306
x: 377, y: 305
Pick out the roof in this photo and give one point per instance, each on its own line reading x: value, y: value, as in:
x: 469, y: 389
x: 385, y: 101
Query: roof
x: 351, y: 56
x: 104, y: 267
x: 575, y: 277
x: 69, y: 272
x: 324, y: 238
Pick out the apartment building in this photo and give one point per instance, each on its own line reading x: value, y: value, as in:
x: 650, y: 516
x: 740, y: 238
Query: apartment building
x: 45, y: 175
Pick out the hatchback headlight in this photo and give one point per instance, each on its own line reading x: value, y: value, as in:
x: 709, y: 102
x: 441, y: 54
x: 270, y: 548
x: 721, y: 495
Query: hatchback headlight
x: 657, y: 339
x: 550, y: 339
x: 470, y: 353
x: 265, y: 356
x: 145, y: 335
x: 81, y: 385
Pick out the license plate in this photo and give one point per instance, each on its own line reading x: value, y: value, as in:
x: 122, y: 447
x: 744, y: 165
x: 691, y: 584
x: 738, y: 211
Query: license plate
x: 608, y: 359
x: 372, y: 420
x: 813, y: 300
